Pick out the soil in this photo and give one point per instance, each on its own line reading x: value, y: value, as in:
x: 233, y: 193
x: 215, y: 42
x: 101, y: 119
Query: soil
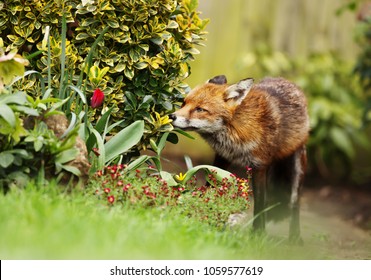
x: 335, y: 222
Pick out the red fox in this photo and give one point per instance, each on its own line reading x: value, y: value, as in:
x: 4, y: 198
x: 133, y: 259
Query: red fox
x: 264, y: 126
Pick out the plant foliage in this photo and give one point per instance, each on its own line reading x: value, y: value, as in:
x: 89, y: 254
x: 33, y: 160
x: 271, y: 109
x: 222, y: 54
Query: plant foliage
x: 363, y: 65
x: 143, y: 188
x: 140, y: 64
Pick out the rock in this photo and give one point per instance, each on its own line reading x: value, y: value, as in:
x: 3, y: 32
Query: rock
x: 59, y: 124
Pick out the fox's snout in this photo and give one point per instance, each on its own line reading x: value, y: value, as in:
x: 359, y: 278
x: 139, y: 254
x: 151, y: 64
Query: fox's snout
x: 172, y: 117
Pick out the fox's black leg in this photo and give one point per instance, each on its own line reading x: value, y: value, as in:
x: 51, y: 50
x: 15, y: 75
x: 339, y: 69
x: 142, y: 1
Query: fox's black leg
x: 259, y: 192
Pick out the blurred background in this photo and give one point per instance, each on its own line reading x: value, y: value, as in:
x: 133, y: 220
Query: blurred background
x: 324, y: 47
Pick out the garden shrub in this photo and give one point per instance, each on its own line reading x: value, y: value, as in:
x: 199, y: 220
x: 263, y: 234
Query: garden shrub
x: 335, y: 109
x: 363, y: 64
x: 140, y: 64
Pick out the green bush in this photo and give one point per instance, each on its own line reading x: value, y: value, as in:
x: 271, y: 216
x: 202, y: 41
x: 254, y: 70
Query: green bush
x: 363, y: 64
x: 335, y: 109
x: 140, y: 64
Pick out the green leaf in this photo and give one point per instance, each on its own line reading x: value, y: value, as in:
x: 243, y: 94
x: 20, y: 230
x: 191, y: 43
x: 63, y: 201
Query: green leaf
x: 103, y: 121
x: 120, y: 67
x: 188, y: 162
x: 17, y: 98
x: 6, y: 159
x: 124, y: 140
x: 10, y: 69
x: 66, y: 156
x: 153, y: 145
x: 157, y: 162
x: 137, y: 163
x: 172, y: 24
x: 38, y: 144
x: 112, y: 23
x: 71, y: 126
x: 8, y: 115
x: 100, y: 146
x: 161, y: 144
x: 72, y: 169
x: 79, y: 92
x: 192, y: 51
x: 82, y: 36
x: 30, y: 16
x: 168, y: 177
x: 129, y: 73
x: 220, y: 173
x: 27, y: 110
x: 94, y: 72
x: 141, y: 65
x: 191, y: 5
x: 157, y: 40
x: 180, y: 131
x: 342, y: 141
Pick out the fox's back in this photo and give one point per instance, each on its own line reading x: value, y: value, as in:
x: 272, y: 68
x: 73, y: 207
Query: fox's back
x: 287, y: 116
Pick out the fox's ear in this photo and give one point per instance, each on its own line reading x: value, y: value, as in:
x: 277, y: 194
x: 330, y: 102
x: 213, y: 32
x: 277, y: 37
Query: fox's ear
x: 219, y: 80
x: 237, y: 92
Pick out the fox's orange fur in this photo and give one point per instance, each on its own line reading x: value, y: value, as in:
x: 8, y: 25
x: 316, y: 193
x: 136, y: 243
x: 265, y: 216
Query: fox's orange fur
x: 264, y: 126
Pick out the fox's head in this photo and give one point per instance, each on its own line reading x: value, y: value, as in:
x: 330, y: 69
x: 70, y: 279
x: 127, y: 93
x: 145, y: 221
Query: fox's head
x: 208, y: 107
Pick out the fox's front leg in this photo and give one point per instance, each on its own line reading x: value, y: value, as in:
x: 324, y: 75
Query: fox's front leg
x: 259, y: 185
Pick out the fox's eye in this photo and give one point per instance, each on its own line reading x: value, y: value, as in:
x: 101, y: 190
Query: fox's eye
x: 200, y: 110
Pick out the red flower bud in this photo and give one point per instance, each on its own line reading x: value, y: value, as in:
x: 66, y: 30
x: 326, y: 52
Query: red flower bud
x: 97, y: 98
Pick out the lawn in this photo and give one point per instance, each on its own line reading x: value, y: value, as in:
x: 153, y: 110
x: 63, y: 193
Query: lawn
x: 47, y: 223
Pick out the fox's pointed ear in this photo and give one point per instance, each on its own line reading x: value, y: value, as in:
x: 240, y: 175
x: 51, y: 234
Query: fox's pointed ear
x: 237, y: 92
x: 219, y: 80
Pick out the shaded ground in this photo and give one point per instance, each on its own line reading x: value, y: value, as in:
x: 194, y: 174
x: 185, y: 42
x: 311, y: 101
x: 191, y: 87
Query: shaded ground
x: 336, y: 222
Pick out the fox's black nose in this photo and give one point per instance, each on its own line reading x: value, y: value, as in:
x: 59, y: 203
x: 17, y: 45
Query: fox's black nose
x: 172, y: 116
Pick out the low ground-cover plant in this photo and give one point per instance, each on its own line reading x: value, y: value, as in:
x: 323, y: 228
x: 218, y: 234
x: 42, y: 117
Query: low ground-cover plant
x: 144, y: 187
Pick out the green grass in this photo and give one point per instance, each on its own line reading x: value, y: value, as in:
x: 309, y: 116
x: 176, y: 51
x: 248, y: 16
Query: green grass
x: 45, y: 223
